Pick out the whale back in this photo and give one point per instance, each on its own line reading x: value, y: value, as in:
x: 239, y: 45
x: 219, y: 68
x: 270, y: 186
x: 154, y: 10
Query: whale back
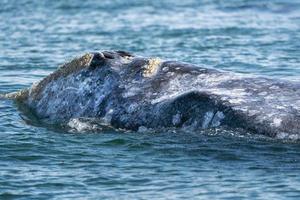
x: 131, y: 92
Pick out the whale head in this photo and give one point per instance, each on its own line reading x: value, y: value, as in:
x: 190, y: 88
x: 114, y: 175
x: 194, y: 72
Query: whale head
x: 82, y: 86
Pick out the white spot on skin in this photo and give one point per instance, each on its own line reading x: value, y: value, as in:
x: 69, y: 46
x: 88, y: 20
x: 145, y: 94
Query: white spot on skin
x: 263, y: 93
x: 216, y: 121
x: 224, y: 98
x: 207, y: 118
x: 277, y: 122
x: 280, y: 107
x: 165, y: 97
x: 274, y: 87
x: 165, y: 69
x: 108, y: 116
x: 236, y: 101
x: 170, y: 74
x: 176, y: 119
x: 252, y: 112
x: 131, y: 92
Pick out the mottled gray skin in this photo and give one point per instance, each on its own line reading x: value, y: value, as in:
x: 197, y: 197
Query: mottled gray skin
x: 127, y: 92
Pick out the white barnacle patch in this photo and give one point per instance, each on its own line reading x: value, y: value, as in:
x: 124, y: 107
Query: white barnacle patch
x: 152, y: 67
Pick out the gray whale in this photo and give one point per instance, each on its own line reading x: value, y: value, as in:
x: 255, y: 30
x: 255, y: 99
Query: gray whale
x: 132, y: 92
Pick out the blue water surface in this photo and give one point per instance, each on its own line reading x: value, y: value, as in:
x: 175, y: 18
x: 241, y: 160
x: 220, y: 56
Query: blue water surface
x: 259, y: 37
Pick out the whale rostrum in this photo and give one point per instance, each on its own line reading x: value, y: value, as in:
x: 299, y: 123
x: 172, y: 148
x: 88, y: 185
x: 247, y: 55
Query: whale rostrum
x: 131, y: 92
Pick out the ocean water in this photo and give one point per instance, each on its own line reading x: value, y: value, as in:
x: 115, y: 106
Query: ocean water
x: 259, y: 37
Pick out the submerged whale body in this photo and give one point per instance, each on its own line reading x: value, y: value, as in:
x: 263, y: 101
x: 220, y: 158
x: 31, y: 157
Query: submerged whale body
x: 132, y: 92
